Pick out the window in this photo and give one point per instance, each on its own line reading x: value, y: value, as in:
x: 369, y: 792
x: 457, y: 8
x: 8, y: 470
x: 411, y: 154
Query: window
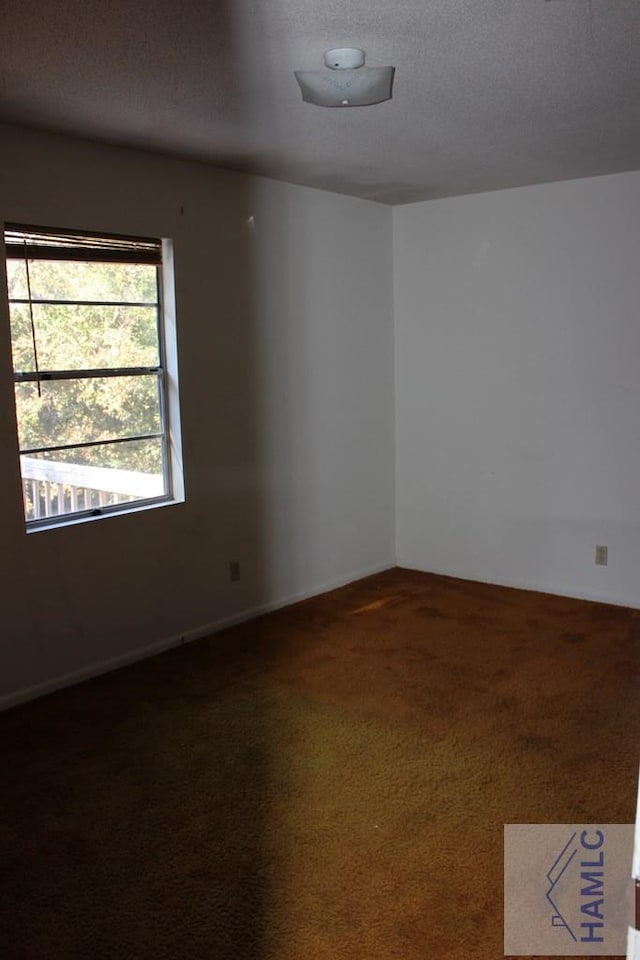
x: 95, y: 373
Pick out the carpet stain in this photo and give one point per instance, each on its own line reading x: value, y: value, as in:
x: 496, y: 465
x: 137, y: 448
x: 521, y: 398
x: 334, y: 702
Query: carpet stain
x: 430, y: 612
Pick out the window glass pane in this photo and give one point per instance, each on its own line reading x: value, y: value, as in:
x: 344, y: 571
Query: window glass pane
x: 77, y: 280
x: 84, y: 338
x: 80, y: 411
x: 16, y: 279
x: 70, y: 481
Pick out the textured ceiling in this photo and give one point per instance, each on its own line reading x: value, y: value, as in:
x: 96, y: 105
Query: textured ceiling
x: 487, y: 94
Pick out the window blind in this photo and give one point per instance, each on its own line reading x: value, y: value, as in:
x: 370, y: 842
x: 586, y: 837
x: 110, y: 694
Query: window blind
x: 35, y: 243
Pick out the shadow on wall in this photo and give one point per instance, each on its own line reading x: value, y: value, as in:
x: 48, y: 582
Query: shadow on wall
x: 117, y: 796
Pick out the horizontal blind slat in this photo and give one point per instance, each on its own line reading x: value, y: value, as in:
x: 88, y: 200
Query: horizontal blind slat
x: 43, y: 243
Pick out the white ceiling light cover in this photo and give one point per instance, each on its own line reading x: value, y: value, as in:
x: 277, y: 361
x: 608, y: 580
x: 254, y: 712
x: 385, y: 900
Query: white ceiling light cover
x: 345, y: 82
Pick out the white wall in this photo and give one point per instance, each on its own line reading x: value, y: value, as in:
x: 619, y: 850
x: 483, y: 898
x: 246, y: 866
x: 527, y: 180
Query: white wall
x: 286, y: 363
x: 518, y: 386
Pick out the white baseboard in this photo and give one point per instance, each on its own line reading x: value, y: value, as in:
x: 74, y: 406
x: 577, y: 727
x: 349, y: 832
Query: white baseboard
x: 534, y: 587
x: 196, y: 633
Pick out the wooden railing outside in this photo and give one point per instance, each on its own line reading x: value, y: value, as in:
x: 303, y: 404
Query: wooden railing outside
x: 51, y: 488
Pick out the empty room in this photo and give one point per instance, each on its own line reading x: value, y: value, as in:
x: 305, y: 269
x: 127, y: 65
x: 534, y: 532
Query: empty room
x: 320, y: 479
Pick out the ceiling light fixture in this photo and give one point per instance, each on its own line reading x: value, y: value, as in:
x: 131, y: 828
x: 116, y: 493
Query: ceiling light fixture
x: 345, y: 81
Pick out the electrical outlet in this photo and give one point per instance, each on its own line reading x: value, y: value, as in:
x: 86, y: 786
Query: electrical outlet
x: 234, y: 570
x: 602, y: 555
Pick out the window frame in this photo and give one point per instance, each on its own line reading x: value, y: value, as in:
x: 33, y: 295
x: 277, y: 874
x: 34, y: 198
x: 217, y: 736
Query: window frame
x: 107, y: 248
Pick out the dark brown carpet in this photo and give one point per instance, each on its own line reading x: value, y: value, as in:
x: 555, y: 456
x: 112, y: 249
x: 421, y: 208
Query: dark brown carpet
x: 329, y: 782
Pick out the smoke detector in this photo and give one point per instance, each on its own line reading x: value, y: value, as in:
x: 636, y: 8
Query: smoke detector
x: 345, y: 81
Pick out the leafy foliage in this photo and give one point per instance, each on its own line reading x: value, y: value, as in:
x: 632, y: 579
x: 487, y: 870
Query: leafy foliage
x: 116, y: 328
